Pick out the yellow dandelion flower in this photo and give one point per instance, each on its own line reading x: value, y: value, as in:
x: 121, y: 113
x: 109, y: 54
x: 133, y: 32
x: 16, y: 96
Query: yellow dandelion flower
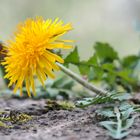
x: 29, y: 55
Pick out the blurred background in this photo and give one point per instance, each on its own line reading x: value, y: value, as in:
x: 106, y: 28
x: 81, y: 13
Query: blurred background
x: 114, y: 21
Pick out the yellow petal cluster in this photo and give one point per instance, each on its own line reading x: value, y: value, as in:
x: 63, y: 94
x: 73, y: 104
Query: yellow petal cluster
x: 29, y: 52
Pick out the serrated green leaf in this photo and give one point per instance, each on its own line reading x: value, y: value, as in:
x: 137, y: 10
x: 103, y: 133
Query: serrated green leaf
x: 126, y: 109
x: 106, y: 112
x: 122, y: 96
x: 63, y: 83
x: 126, y: 75
x: 130, y: 61
x: 109, y: 125
x: 125, y: 106
x: 106, y: 67
x: 73, y: 57
x: 93, y: 60
x: 126, y: 114
x: 118, y: 128
x: 84, y: 69
x: 133, y: 62
x: 105, y: 52
x: 108, y: 98
x: 58, y: 82
x: 96, y: 100
x: 128, y: 123
x: 119, y: 135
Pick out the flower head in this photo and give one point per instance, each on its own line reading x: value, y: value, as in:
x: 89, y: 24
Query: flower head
x: 29, y: 52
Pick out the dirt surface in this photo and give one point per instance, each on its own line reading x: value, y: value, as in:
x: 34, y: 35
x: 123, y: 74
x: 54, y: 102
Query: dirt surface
x: 78, y: 124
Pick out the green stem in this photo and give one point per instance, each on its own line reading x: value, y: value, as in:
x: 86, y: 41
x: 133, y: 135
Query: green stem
x: 80, y: 80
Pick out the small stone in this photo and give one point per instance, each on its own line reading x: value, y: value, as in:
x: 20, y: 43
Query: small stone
x: 77, y: 129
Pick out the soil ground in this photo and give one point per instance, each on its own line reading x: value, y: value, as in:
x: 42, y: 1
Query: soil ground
x: 79, y: 124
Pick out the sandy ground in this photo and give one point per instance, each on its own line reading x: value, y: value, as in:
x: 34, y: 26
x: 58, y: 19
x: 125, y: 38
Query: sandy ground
x: 78, y: 124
